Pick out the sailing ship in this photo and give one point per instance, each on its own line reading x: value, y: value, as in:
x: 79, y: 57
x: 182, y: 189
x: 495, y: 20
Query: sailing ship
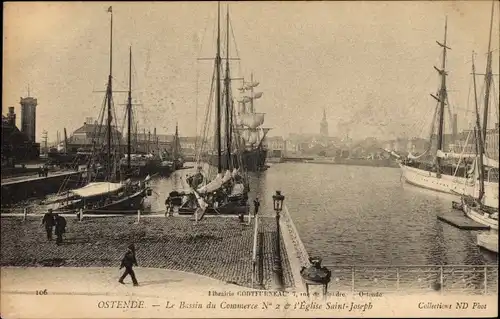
x: 252, y: 151
x: 140, y: 164
x: 227, y: 191
x: 445, y: 172
x: 248, y: 150
x: 477, y: 207
x: 174, y: 160
x: 102, y: 196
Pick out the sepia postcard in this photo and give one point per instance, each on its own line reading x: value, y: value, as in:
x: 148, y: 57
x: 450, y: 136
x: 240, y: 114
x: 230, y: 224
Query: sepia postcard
x: 241, y: 159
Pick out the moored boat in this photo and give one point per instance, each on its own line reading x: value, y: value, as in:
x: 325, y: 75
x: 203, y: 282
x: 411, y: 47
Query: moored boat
x: 450, y: 172
x: 480, y: 207
x: 226, y: 190
x: 102, y: 192
x: 103, y: 197
x: 482, y: 214
x: 488, y: 241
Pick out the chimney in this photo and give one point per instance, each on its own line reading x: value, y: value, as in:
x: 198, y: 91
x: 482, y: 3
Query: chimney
x: 11, y: 116
x: 454, y: 128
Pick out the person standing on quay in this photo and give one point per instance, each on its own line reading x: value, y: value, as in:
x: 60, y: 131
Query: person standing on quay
x: 49, y: 222
x: 256, y: 205
x: 128, y: 262
x: 60, y: 228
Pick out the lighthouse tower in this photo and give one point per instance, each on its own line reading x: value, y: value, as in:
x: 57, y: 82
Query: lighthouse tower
x: 28, y: 117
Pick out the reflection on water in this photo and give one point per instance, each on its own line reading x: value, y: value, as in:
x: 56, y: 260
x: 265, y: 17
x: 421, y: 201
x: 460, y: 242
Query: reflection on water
x: 365, y: 215
x: 357, y: 215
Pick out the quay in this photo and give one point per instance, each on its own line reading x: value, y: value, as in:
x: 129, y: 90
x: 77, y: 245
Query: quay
x: 224, y: 249
x: 16, y: 189
x: 219, y: 248
x: 461, y: 221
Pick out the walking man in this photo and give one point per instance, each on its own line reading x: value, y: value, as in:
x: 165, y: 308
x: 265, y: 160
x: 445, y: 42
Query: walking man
x: 256, y: 205
x: 49, y: 222
x: 60, y: 228
x: 128, y: 262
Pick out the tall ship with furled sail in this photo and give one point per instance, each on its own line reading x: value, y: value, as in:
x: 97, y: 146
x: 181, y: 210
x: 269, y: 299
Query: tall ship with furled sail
x: 253, y: 151
x: 442, y: 171
x: 245, y: 148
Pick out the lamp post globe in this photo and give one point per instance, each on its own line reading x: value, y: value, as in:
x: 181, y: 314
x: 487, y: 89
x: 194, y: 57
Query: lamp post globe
x: 278, y: 199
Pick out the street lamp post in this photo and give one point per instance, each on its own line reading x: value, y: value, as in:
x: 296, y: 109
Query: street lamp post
x: 277, y: 265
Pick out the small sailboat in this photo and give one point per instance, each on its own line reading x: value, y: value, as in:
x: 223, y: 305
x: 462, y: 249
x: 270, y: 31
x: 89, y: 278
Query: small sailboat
x: 479, y: 208
x: 102, y: 196
x: 174, y: 160
x: 437, y: 169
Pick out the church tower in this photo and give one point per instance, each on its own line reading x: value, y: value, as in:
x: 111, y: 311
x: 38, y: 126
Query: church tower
x: 323, y: 130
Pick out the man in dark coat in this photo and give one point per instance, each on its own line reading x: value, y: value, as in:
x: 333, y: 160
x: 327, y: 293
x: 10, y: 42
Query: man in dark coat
x: 256, y: 205
x: 60, y: 228
x: 49, y: 222
x: 128, y: 262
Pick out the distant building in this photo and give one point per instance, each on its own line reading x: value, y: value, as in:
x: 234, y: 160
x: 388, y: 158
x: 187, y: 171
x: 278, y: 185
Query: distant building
x: 399, y: 145
x: 188, y: 144
x: 492, y: 142
x: 18, y: 145
x: 275, y: 145
x: 84, y: 137
x: 28, y: 117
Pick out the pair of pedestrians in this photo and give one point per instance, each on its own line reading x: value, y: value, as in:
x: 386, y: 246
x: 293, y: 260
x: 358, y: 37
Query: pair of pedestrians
x: 51, y: 221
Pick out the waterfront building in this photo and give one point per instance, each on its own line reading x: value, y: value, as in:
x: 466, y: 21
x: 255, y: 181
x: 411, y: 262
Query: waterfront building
x: 84, y: 137
x: 275, y: 145
x: 20, y: 145
x: 28, y: 117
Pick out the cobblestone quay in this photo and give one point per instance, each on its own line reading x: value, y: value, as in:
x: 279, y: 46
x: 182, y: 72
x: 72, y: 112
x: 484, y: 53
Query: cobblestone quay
x: 220, y: 248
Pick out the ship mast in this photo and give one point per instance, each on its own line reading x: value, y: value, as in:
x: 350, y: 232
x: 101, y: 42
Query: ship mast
x: 488, y: 76
x: 228, y: 103
x: 176, y: 143
x: 109, y: 93
x: 217, y: 65
x: 479, y: 138
x: 129, y: 111
x: 251, y: 93
x: 441, y: 98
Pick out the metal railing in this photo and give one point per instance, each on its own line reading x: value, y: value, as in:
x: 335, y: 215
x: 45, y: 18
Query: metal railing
x: 473, y: 279
x: 468, y: 279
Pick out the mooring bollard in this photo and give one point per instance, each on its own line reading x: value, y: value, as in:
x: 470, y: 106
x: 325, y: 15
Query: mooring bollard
x: 25, y: 213
x: 138, y: 215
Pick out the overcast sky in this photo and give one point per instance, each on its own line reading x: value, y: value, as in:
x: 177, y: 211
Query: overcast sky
x: 369, y: 64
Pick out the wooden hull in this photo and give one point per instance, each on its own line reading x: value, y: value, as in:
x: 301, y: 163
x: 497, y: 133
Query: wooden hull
x: 450, y: 184
x: 488, y: 242
x: 231, y: 208
x: 253, y: 160
x: 124, y: 205
x: 480, y: 216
